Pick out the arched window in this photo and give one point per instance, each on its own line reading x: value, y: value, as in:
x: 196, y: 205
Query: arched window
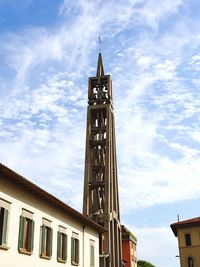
x: 190, y: 262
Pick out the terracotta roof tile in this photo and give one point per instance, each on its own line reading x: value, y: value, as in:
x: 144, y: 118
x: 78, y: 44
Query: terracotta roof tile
x: 190, y: 222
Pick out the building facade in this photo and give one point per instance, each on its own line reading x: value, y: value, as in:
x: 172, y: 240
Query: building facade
x: 188, y: 234
x: 129, y: 245
x: 37, y: 229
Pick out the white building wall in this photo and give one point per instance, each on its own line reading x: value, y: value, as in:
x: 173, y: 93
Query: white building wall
x: 20, y: 199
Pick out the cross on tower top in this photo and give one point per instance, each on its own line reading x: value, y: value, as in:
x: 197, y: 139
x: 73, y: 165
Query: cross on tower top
x: 100, y: 41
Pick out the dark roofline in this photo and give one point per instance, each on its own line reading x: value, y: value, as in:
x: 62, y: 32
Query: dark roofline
x: 186, y: 223
x: 7, y: 173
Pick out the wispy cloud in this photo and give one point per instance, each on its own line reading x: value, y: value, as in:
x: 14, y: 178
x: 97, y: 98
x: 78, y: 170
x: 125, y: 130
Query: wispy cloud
x: 44, y: 98
x: 152, y: 50
x: 149, y: 244
x: 49, y: 106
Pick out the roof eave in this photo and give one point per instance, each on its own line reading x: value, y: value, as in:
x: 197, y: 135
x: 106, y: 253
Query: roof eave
x: 39, y: 192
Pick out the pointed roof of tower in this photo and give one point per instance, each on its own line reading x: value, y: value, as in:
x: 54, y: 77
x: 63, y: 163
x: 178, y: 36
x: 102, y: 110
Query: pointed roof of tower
x: 100, y: 71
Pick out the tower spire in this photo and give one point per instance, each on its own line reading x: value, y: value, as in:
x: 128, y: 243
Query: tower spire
x: 100, y: 71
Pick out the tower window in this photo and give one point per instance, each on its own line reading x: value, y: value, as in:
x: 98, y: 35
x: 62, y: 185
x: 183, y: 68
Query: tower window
x: 188, y: 240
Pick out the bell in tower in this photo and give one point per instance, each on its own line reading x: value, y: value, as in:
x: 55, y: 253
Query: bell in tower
x: 101, y: 200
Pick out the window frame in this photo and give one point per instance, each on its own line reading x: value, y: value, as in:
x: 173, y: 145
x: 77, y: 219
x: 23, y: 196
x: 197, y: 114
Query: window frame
x: 26, y: 234
x: 190, y: 261
x: 4, y: 222
x: 75, y: 249
x: 46, y: 234
x: 62, y: 240
x: 188, y: 240
x: 92, y: 253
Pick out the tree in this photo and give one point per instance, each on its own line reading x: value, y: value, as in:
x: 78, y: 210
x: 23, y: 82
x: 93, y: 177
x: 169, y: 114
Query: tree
x: 142, y: 263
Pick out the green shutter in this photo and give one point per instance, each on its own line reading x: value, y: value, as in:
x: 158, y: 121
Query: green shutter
x: 32, y: 235
x: 1, y: 223
x: 77, y: 251
x: 91, y: 255
x: 5, y: 227
x: 21, y: 232
x: 72, y: 250
x: 65, y: 248
x: 42, y: 234
x: 58, y: 244
x: 50, y: 242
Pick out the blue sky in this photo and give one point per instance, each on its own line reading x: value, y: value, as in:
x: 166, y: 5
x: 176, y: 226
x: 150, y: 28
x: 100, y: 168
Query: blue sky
x: 48, y: 49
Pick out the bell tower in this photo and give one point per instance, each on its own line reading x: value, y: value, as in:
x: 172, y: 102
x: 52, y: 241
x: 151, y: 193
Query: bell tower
x: 101, y: 200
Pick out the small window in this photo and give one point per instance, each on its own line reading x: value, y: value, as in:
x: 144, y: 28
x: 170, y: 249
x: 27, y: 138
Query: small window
x: 92, y: 253
x: 26, y: 232
x: 62, y: 245
x: 46, y: 239
x: 188, y: 239
x: 74, y: 249
x: 4, y: 214
x: 190, y: 262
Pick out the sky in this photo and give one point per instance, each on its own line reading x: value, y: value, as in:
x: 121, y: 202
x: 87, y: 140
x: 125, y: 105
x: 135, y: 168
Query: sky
x: 151, y: 48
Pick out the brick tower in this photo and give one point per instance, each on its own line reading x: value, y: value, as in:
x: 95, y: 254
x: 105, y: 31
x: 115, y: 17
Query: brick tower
x: 101, y: 200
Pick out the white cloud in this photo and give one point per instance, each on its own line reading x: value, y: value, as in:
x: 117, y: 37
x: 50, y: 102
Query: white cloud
x: 158, y: 246
x: 194, y: 63
x: 152, y: 12
x: 196, y: 136
x: 44, y: 107
x: 152, y: 56
x: 166, y: 70
x: 161, y: 181
x: 145, y: 62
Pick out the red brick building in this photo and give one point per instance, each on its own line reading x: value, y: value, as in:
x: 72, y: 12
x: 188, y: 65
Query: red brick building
x: 129, y: 243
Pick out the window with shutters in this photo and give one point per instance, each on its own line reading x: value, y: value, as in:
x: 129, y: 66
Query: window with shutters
x: 92, y: 251
x: 62, y: 245
x: 26, y: 232
x: 46, y: 239
x: 75, y: 249
x: 4, y: 214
